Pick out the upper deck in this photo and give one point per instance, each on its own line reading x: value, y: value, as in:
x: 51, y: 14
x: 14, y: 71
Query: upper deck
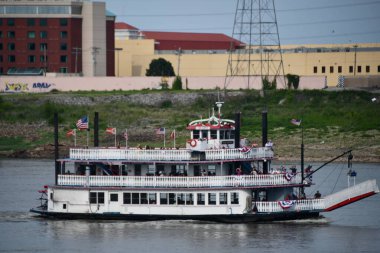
x: 212, y: 155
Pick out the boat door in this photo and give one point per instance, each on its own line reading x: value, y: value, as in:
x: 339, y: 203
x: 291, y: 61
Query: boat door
x: 197, y: 170
x: 113, y: 202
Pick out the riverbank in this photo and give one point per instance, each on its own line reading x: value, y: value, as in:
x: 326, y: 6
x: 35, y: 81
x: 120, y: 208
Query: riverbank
x: 333, y: 122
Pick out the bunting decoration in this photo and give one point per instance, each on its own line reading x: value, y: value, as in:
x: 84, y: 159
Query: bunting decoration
x: 289, y: 176
x: 286, y: 204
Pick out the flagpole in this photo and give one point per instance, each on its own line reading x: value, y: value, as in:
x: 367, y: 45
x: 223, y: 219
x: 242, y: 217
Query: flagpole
x: 164, y: 135
x: 126, y: 138
x: 88, y: 130
x: 75, y: 137
x: 115, y: 136
x: 174, y: 138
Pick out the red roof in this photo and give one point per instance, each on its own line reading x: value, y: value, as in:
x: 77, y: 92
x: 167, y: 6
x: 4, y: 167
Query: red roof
x: 192, y: 41
x: 122, y: 25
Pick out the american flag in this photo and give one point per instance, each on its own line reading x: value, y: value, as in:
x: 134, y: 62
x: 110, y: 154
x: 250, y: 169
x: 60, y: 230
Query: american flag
x: 82, y: 123
x: 296, y: 122
x: 160, y: 131
x: 111, y: 130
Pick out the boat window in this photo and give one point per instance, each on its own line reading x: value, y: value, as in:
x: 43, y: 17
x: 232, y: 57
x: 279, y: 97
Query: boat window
x: 234, y: 198
x: 114, y: 197
x: 163, y: 198
x: 221, y: 134
x: 213, y: 134
x: 96, y: 197
x: 143, y: 198
x: 127, y: 198
x: 212, y: 198
x: 195, y: 134
x: 200, y: 198
x: 152, y: 198
x: 151, y: 170
x: 211, y: 170
x: 135, y: 198
x: 223, y: 198
x: 181, y: 198
x: 180, y: 169
x: 189, y: 199
x: 204, y: 134
x: 232, y: 134
x: 172, y: 200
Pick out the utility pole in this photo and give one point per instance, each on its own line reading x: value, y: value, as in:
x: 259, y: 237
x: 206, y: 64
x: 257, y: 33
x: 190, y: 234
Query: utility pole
x: 355, y: 49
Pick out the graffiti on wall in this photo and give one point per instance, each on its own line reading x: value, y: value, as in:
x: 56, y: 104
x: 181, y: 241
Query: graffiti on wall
x: 16, y: 87
x: 42, y: 85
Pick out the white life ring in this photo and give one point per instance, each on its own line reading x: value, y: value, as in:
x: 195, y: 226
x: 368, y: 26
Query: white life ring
x: 193, y: 143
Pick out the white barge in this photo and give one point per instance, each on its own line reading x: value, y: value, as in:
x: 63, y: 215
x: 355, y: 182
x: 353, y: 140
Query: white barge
x: 215, y: 178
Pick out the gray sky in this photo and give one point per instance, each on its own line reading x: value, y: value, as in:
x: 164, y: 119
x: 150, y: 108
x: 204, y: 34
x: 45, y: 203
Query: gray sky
x: 299, y: 21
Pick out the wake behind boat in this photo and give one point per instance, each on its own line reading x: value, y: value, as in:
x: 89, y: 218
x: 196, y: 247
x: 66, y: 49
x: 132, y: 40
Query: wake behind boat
x: 216, y: 177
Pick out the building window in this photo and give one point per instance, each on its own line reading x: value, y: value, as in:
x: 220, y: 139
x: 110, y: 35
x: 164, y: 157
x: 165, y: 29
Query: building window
x: 1, y: 34
x: 63, y: 22
x: 96, y: 197
x: 1, y: 21
x: 43, y: 22
x: 359, y: 69
x: 31, y: 58
x: 63, y: 58
x: 64, y: 35
x: 351, y: 69
x: 11, y: 22
x: 1, y: 46
x: 31, y: 35
x: 11, y: 58
x: 234, y: 198
x: 43, y: 46
x: 339, y: 69
x: 63, y: 70
x: 331, y: 69
x: 63, y: 46
x: 114, y: 197
x: 323, y: 69
x: 315, y: 69
x: 30, y: 22
x: 367, y: 69
x: 212, y: 198
x: 43, y: 58
x: 11, y: 46
x: 31, y: 46
x: 1, y: 58
x: 11, y: 34
x: 378, y: 68
x: 43, y: 34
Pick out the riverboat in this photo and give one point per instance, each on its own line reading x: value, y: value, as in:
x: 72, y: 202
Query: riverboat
x: 216, y: 177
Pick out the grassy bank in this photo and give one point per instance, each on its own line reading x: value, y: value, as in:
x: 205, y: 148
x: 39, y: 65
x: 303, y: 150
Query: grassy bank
x: 331, y: 120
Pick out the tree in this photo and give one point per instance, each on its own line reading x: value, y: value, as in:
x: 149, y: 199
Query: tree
x: 269, y: 85
x: 177, y: 83
x: 160, y: 67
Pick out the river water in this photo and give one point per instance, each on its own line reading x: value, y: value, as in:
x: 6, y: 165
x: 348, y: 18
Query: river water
x: 354, y: 228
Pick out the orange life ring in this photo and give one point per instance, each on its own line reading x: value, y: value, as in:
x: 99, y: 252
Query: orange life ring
x: 193, y: 143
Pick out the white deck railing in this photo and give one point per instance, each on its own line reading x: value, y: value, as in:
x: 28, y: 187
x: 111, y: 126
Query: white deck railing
x: 178, y: 182
x: 234, y: 153
x: 167, y: 154
x: 298, y: 205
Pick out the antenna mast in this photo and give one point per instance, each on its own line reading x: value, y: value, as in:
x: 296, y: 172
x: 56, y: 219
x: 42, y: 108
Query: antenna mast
x: 255, y: 25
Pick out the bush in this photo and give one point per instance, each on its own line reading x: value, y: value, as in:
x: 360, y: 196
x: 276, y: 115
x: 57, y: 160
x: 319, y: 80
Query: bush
x: 293, y: 80
x: 177, y: 83
x: 268, y: 85
x: 160, y: 67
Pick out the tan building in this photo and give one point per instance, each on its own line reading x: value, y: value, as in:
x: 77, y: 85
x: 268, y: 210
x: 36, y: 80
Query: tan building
x: 331, y: 61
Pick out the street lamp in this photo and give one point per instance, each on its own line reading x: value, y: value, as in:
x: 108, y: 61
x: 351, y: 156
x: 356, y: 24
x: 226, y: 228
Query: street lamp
x: 118, y: 49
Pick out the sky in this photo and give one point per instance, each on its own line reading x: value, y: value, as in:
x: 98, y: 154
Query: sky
x: 299, y: 21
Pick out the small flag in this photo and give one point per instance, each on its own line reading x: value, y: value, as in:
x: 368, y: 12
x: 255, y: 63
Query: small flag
x: 82, y: 123
x: 71, y: 132
x: 125, y: 134
x: 296, y: 122
x: 111, y: 130
x: 172, y: 135
x: 160, y: 131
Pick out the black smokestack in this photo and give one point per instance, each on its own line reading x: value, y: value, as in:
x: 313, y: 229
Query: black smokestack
x: 237, y: 129
x: 56, y: 150
x: 96, y: 130
x: 264, y: 127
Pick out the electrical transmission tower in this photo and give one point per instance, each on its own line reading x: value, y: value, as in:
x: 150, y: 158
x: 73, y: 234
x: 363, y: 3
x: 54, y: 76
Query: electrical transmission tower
x: 255, y: 25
